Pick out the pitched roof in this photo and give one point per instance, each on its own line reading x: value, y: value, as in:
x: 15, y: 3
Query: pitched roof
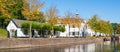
x: 19, y: 22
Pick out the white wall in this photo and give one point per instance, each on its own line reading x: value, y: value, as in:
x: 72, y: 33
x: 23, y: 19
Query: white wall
x: 20, y: 33
x: 11, y: 26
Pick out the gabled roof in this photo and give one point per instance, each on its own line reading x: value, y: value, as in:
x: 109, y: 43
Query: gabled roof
x: 19, y: 22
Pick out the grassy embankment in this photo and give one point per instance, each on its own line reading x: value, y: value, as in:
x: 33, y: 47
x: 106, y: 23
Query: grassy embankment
x: 3, y: 33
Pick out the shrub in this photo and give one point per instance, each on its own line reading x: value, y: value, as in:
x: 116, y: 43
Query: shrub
x: 35, y: 25
x: 25, y: 25
x: 46, y: 27
x: 59, y: 28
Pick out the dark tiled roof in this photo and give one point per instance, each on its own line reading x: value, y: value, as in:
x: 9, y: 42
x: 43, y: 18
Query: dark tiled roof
x: 19, y: 22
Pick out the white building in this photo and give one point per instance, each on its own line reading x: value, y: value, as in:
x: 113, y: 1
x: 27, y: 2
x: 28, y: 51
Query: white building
x: 73, y: 31
x: 14, y: 30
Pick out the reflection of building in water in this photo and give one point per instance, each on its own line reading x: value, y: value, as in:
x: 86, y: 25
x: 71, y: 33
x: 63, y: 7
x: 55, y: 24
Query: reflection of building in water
x: 91, y: 48
x: 107, y: 43
x: 81, y: 48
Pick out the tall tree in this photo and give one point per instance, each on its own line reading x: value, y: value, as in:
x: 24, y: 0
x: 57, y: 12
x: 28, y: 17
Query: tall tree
x: 93, y: 23
x: 68, y: 16
x: 31, y: 11
x: 105, y: 27
x: 10, y: 9
x: 114, y: 25
x: 52, y: 15
x: 118, y: 29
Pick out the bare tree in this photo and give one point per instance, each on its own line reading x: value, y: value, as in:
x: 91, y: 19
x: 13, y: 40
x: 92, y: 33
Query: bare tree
x: 68, y: 16
x: 52, y: 15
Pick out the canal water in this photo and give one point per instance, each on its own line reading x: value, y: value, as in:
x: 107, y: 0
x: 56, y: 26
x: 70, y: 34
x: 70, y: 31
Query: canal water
x: 92, y: 47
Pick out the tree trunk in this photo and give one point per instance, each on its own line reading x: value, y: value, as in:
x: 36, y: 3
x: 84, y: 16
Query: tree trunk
x: 52, y: 32
x: 30, y: 30
x: 69, y: 31
x: 79, y: 33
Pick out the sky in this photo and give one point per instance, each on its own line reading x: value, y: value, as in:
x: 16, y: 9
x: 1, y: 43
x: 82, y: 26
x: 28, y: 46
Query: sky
x: 105, y: 9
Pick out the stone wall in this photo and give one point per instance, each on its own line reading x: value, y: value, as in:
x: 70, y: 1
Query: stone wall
x: 26, y: 42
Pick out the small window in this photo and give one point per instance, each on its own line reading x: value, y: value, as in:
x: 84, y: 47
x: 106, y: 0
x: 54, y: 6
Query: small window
x: 76, y: 33
x: 73, y: 33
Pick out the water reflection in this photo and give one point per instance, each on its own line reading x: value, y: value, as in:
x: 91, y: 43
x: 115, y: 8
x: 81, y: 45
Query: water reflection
x: 93, y: 47
x: 81, y: 48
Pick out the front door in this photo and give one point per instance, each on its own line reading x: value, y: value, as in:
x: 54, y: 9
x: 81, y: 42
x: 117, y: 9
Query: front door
x: 12, y: 33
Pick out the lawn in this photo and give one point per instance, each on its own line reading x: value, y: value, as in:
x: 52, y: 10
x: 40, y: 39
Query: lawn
x: 3, y: 33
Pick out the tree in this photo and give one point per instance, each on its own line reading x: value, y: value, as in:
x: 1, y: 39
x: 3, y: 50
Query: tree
x: 30, y: 11
x: 52, y: 15
x: 46, y: 28
x: 110, y: 29
x: 67, y: 20
x: 100, y: 26
x: 118, y: 29
x: 114, y: 25
x: 59, y: 28
x: 25, y: 25
x: 93, y: 23
x: 10, y: 9
x: 105, y: 27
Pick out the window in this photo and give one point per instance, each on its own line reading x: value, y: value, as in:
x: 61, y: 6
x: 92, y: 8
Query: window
x: 73, y: 33
x: 76, y: 33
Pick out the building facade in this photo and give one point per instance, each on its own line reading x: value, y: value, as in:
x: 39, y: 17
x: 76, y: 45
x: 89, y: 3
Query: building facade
x: 14, y: 30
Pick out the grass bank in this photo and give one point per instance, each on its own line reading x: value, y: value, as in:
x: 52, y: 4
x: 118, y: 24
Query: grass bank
x: 3, y: 33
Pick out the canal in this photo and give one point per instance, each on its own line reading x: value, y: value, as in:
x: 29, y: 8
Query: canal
x: 92, y: 47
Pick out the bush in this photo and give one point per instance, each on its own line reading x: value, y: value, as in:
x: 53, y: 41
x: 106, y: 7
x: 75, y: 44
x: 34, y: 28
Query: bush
x: 59, y: 28
x: 46, y: 27
x: 62, y: 29
x: 25, y: 25
x: 3, y: 33
x: 35, y: 25
x: 56, y: 28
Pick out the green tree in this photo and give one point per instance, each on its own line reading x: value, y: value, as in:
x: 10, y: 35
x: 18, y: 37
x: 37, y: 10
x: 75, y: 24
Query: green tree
x: 100, y: 26
x: 105, y: 27
x: 114, y: 25
x: 118, y: 29
x: 10, y: 9
x: 110, y: 29
x: 30, y: 11
x: 93, y: 23
x: 59, y: 28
